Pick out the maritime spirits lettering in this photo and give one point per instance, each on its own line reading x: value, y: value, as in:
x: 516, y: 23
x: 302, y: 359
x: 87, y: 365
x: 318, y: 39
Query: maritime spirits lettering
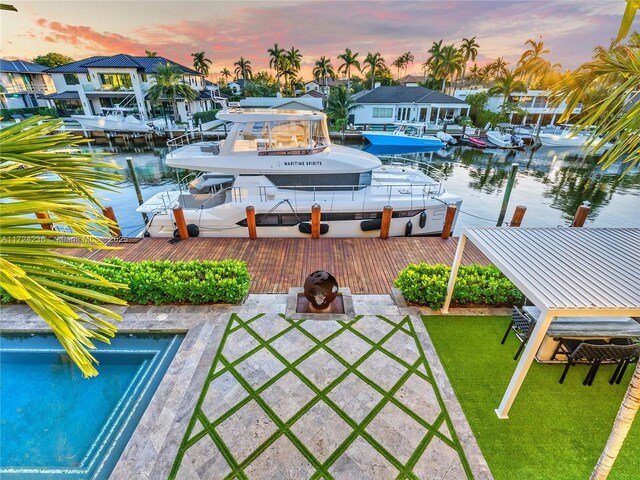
x: 301, y: 163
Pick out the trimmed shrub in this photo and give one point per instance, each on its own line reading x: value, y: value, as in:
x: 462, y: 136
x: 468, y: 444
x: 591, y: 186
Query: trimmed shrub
x: 476, y: 285
x: 44, y: 111
x: 162, y: 282
x: 204, y: 117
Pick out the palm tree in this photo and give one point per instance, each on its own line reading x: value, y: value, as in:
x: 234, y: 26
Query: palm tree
x: 243, y: 68
x: 475, y: 73
x: 450, y: 63
x: 398, y: 63
x: 323, y: 69
x: 499, y: 67
x: 434, y: 62
x: 170, y: 86
x: 276, y: 55
x: 506, y: 85
x: 407, y: 58
x: 349, y: 60
x: 35, y: 271
x: 469, y: 50
x: 225, y: 74
x: 532, y: 64
x: 340, y: 104
x: 373, y: 62
x: 149, y: 53
x: 289, y: 73
x: 200, y: 63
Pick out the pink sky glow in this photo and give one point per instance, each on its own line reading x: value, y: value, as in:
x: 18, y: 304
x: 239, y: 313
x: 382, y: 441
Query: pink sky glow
x: 228, y: 30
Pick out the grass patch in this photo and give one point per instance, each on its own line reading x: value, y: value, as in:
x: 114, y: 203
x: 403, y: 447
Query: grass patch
x: 553, y: 430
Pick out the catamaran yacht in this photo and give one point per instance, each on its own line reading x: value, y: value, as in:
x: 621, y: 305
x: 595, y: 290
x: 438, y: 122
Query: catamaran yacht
x: 282, y: 163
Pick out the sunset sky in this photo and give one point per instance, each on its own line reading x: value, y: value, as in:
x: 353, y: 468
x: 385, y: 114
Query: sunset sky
x: 228, y: 30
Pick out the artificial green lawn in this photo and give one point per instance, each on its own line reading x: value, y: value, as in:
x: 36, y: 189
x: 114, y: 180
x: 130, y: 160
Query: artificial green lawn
x: 554, y: 431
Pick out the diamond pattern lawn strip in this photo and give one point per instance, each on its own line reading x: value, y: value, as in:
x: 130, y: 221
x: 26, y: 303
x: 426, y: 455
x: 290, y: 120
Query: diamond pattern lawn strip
x: 422, y: 446
x: 210, y: 376
x: 226, y: 453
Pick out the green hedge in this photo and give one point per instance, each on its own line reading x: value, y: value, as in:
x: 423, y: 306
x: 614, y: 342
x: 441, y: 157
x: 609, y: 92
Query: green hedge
x: 476, y: 285
x: 204, y: 117
x: 44, y: 111
x: 162, y: 282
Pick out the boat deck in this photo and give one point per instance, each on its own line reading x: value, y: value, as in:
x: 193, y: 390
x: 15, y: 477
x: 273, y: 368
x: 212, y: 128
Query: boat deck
x: 365, y: 265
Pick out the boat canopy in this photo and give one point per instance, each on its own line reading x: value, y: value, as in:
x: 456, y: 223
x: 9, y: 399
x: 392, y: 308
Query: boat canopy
x: 266, y: 115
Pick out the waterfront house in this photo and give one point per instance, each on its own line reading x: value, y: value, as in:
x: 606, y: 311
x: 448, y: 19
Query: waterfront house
x: 318, y: 85
x: 536, y: 103
x: 388, y: 105
x: 410, y: 80
x: 88, y: 86
x: 283, y: 103
x: 24, y: 83
x: 236, y: 86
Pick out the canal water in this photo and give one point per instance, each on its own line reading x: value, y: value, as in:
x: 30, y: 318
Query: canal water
x: 551, y: 182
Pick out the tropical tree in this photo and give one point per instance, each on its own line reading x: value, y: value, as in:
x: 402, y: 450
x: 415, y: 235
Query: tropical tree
x: 170, y: 86
x: 373, y: 62
x: 506, y: 85
x: 226, y: 74
x: 339, y: 105
x: 52, y: 59
x: 434, y: 60
x: 243, y: 69
x: 276, y: 55
x: 349, y: 60
x: 469, y: 51
x: 32, y: 269
x: 149, y: 53
x: 201, y: 63
x: 321, y: 70
x: 499, y: 67
x: 398, y: 63
x: 532, y: 64
x: 407, y: 58
x: 475, y: 73
x: 450, y: 64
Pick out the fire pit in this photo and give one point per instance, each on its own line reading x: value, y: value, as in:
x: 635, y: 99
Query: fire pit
x: 320, y: 299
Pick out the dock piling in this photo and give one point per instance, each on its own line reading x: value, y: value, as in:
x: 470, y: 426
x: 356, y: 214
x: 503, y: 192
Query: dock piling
x: 387, y: 213
x: 518, y: 215
x: 115, y: 228
x: 181, y: 223
x: 251, y: 222
x: 580, y: 216
x: 507, y: 194
x: 448, y: 221
x: 136, y: 186
x: 315, y: 221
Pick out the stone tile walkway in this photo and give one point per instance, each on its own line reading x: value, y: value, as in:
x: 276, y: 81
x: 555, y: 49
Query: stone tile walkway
x: 320, y: 399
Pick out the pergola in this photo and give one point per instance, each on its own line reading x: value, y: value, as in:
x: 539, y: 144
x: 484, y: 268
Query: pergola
x: 565, y: 272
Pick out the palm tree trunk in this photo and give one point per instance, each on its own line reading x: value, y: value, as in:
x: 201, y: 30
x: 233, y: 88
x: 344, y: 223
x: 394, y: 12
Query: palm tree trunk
x: 621, y: 426
x: 373, y: 77
x: 444, y: 83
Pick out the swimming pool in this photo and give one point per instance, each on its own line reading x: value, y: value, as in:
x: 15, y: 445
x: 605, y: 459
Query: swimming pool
x: 56, y: 424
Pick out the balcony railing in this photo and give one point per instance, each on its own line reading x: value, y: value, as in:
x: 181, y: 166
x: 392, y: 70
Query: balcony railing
x: 90, y: 87
x: 36, y: 87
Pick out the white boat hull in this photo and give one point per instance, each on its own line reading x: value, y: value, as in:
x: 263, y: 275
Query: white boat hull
x: 91, y: 122
x: 558, y: 140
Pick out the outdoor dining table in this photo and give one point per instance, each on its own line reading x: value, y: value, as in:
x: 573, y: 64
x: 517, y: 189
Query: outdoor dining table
x: 582, y: 328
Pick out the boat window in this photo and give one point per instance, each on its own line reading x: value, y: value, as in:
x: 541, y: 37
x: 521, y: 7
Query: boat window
x: 251, y: 137
x: 290, y: 135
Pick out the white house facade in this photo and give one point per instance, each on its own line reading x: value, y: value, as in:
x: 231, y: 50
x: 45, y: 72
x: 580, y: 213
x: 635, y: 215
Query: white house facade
x: 24, y: 84
x: 536, y: 103
x: 388, y: 105
x: 88, y: 86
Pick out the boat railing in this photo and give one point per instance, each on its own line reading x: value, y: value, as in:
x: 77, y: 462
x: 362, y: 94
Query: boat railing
x: 427, y: 168
x: 182, y: 140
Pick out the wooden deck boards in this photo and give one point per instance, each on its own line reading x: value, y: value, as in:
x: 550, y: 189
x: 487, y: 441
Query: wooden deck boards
x: 365, y: 265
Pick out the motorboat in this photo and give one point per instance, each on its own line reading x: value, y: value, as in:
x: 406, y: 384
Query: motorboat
x: 565, y: 136
x: 504, y: 138
x: 114, y: 120
x: 282, y: 163
x: 409, y: 134
x: 446, y: 138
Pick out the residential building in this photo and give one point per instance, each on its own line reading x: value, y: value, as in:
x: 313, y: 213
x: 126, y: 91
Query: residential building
x: 283, y: 103
x: 388, y: 105
x: 410, y: 80
x: 318, y: 85
x: 536, y: 103
x: 24, y: 83
x: 88, y: 86
x: 236, y: 86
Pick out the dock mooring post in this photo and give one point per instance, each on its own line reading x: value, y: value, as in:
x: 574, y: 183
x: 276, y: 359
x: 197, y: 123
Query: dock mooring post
x: 181, y: 223
x: 448, y: 221
x: 44, y: 216
x: 581, y: 216
x: 114, y: 229
x: 518, y: 215
x: 507, y: 194
x: 251, y: 222
x: 315, y: 221
x: 385, y: 226
x: 136, y: 186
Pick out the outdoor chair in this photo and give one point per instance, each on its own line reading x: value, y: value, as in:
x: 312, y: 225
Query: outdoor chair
x: 594, y: 355
x: 522, y: 324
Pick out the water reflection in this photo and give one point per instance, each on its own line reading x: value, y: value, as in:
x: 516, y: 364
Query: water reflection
x: 551, y: 183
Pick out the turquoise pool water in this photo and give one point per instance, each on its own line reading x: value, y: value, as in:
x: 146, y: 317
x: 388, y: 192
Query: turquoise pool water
x: 54, y: 423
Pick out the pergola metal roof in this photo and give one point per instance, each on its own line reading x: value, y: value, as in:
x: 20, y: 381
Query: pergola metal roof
x: 565, y: 272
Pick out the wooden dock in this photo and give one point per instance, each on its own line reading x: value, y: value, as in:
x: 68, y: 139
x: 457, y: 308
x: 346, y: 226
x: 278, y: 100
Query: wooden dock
x: 365, y: 265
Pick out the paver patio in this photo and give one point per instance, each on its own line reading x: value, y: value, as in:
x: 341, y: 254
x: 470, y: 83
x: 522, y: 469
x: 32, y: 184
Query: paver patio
x: 292, y: 399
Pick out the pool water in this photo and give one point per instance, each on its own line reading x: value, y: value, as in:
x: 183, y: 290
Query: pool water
x: 56, y: 424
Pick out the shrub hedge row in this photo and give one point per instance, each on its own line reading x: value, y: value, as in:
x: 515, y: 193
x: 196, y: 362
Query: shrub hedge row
x: 45, y: 111
x: 162, y: 282
x: 476, y: 285
x: 204, y: 117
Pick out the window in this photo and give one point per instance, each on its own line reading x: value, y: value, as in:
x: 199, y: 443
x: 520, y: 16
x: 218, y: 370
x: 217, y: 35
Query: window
x: 117, y: 81
x: 71, y: 79
x: 88, y: 77
x: 143, y: 77
x: 382, y: 112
